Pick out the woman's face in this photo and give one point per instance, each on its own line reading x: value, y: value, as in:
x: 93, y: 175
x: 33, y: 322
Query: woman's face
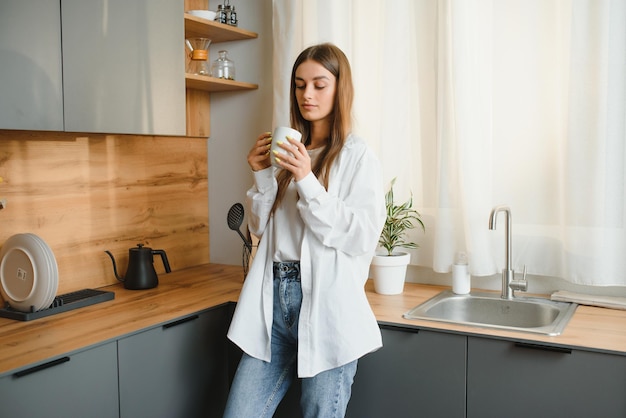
x: 315, y: 91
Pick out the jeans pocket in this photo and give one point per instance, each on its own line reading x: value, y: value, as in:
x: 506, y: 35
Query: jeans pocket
x: 290, y: 294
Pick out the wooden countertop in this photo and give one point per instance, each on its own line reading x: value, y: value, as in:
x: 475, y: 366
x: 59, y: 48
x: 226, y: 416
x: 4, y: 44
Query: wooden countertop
x: 191, y: 290
x: 179, y: 293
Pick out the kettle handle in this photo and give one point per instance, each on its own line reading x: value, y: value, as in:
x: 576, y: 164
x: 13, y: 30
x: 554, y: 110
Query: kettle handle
x: 166, y: 263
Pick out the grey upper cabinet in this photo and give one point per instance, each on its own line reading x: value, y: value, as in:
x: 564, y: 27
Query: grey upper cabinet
x: 124, y: 66
x: 31, y: 91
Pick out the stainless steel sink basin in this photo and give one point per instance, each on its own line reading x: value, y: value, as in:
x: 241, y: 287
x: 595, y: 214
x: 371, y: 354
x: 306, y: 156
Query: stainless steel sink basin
x: 526, y: 314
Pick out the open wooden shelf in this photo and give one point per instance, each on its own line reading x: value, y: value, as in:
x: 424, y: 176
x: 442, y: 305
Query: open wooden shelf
x: 197, y: 27
x: 212, y: 84
x: 199, y: 88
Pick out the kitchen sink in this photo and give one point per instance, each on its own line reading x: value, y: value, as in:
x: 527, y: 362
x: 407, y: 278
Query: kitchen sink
x: 526, y: 314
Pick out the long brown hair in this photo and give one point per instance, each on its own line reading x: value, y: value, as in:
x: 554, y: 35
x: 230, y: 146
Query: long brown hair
x: 335, y: 61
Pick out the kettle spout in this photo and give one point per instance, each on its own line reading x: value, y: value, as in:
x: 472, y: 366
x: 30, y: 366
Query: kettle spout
x: 121, y: 279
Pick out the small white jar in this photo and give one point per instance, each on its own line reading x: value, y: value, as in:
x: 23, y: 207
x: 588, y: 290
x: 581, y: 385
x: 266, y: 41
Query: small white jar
x: 460, y: 275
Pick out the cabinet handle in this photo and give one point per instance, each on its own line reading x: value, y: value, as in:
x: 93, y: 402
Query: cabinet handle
x: 42, y: 367
x: 552, y: 348
x: 180, y: 321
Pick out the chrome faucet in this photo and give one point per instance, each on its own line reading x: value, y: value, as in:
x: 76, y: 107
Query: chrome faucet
x: 509, y: 284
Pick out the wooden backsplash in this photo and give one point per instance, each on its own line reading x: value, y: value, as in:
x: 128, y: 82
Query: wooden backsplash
x: 86, y: 193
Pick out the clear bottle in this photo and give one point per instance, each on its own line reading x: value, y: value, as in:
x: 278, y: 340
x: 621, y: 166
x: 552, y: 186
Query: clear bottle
x: 223, y: 67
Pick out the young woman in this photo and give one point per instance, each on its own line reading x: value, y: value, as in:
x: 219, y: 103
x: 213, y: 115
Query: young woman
x: 303, y: 310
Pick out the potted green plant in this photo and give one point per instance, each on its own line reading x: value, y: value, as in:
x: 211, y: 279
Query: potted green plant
x: 389, y: 266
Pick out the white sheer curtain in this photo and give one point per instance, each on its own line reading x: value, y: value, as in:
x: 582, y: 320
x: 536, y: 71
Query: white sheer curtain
x: 473, y: 103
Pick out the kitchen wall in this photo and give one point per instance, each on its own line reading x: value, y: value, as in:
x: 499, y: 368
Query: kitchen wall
x: 86, y: 193
x: 237, y: 118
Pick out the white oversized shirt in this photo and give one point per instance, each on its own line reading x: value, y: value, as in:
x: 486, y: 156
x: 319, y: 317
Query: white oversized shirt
x: 288, y: 225
x: 342, y: 227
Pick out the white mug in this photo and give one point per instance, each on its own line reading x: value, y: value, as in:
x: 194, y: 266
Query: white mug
x: 280, y: 134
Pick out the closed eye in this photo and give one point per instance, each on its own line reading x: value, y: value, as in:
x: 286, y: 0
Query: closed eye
x: 317, y: 87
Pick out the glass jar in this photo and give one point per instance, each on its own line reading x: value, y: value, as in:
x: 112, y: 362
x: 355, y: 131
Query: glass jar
x: 232, y: 19
x: 198, y: 56
x: 221, y: 16
x: 227, y: 12
x: 223, y: 67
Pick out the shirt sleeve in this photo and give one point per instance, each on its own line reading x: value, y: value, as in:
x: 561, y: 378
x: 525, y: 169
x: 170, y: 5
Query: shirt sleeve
x: 309, y: 187
x: 260, y: 199
x: 350, y: 215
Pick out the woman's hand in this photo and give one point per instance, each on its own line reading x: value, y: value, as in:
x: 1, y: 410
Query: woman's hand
x: 259, y: 155
x: 300, y: 163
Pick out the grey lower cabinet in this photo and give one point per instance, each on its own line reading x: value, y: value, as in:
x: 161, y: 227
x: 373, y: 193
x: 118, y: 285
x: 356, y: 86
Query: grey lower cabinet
x: 83, y: 384
x: 184, y: 369
x: 515, y: 379
x: 417, y: 373
x: 177, y: 370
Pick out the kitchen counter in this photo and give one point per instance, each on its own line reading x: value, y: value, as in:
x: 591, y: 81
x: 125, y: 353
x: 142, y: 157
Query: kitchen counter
x: 191, y: 290
x: 592, y: 328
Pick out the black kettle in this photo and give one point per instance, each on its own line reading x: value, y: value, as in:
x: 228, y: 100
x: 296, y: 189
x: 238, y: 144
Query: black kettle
x: 141, y: 273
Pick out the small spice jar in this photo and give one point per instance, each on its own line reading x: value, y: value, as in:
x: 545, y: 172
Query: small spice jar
x: 221, y: 16
x: 232, y: 18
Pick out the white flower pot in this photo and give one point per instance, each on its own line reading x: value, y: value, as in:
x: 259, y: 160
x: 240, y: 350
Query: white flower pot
x: 389, y: 272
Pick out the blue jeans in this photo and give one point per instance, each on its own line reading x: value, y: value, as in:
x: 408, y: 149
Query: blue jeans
x: 259, y: 386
